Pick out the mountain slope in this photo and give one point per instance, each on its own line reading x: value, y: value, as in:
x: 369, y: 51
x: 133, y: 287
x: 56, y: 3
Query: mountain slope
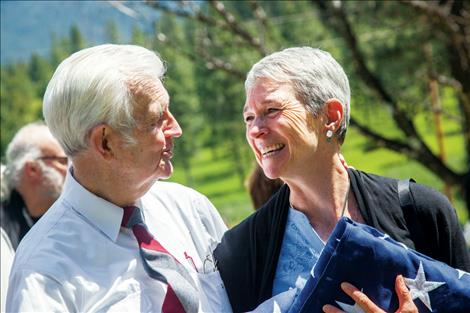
x: 28, y: 26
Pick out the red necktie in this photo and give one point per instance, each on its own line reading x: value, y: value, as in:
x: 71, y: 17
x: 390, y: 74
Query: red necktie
x: 181, y: 296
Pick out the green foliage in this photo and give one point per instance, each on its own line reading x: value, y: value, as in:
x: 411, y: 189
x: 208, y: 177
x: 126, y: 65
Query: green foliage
x: 77, y: 41
x: 207, y: 93
x: 39, y: 72
x: 112, y: 32
x: 138, y: 36
x: 182, y: 87
x: 216, y: 179
x: 23, y: 85
x: 59, y: 50
x: 19, y: 101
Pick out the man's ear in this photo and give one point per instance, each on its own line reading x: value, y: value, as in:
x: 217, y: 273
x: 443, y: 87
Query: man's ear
x: 334, y: 113
x: 102, y: 141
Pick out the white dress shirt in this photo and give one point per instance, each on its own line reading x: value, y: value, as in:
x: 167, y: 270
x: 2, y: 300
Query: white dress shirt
x: 77, y: 258
x: 7, y: 253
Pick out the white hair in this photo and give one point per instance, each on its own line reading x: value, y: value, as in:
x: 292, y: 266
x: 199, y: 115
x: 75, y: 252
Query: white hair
x: 24, y: 147
x: 3, y: 183
x: 315, y: 76
x: 91, y: 87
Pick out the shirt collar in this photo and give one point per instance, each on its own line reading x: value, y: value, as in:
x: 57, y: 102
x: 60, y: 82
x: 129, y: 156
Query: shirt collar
x: 103, y: 214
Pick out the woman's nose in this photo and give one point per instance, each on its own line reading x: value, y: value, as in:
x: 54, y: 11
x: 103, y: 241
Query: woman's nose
x: 257, y: 128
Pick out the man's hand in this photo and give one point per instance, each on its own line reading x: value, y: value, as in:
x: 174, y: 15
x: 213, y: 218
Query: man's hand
x: 406, y: 304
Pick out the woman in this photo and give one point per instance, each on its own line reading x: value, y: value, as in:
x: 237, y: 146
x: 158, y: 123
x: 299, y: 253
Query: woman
x: 296, y: 115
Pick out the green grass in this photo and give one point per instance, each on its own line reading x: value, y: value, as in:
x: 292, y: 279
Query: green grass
x: 388, y: 163
x: 216, y: 178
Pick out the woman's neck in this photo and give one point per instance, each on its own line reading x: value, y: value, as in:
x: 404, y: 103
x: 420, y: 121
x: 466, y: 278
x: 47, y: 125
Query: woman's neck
x: 321, y: 195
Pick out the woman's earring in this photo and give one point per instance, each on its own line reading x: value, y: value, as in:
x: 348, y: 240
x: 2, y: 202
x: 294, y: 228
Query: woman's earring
x: 329, y: 135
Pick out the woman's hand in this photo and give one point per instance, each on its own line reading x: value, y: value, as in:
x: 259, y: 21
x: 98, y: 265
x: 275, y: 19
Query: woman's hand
x: 406, y: 304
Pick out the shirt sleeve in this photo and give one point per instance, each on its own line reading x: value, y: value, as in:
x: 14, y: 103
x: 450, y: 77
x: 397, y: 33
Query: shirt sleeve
x: 210, y: 218
x: 34, y: 292
x: 7, y: 259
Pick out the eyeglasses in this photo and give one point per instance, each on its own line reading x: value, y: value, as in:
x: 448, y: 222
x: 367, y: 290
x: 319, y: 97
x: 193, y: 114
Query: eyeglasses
x: 61, y: 159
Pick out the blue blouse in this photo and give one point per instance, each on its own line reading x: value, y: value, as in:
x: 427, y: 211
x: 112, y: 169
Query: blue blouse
x: 300, y: 250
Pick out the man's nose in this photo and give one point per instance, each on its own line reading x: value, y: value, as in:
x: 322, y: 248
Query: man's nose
x: 173, y: 127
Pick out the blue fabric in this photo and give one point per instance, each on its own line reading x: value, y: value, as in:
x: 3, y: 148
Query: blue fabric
x: 370, y: 260
x: 300, y: 250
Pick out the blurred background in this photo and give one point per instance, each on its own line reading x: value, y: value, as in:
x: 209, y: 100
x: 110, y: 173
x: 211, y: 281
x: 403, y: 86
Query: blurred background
x: 408, y: 63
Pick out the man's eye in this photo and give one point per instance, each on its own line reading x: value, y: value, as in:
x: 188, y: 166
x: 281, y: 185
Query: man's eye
x: 156, y: 123
x: 272, y: 110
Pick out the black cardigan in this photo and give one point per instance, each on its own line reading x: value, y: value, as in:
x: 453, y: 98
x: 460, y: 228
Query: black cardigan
x: 12, y: 219
x: 248, y: 253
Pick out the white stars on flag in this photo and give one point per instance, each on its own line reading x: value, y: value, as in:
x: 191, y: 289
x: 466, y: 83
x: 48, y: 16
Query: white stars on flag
x: 420, y: 288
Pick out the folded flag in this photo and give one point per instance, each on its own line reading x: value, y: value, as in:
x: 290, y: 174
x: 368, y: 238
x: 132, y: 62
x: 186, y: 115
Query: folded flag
x: 370, y: 260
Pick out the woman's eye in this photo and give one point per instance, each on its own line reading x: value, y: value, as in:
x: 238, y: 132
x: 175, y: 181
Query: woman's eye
x: 272, y: 110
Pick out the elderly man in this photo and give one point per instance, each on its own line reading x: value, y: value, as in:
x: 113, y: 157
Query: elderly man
x: 116, y: 240
x: 34, y: 175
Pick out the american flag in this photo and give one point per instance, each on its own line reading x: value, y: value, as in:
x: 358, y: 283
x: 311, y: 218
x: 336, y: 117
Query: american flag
x: 371, y: 260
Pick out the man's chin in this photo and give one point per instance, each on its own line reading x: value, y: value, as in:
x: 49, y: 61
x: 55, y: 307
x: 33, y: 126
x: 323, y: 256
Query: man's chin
x: 165, y: 171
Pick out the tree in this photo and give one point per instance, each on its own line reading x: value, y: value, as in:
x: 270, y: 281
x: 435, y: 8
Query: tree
x: 23, y: 85
x: 181, y: 85
x: 415, y: 146
x: 39, y: 71
x: 20, y: 104
x: 77, y: 42
x: 112, y: 32
x: 388, y: 70
x: 138, y: 36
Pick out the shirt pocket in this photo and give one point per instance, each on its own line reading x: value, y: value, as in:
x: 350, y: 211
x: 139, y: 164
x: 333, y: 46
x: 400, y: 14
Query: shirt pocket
x: 149, y: 300
x: 212, y: 293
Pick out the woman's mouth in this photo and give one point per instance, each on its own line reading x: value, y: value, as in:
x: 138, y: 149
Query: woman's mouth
x: 269, y: 150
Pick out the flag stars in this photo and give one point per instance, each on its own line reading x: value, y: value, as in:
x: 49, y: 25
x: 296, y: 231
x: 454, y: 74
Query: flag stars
x: 420, y: 288
x: 461, y: 273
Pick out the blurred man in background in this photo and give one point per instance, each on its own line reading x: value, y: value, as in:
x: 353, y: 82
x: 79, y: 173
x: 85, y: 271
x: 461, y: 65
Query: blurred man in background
x: 32, y: 179
x: 3, y: 185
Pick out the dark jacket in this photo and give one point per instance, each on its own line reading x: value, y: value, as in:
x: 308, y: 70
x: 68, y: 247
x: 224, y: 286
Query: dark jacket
x: 248, y: 253
x: 13, y: 220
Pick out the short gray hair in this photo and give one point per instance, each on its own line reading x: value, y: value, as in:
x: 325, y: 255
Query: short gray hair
x: 91, y: 87
x: 314, y: 74
x: 24, y: 147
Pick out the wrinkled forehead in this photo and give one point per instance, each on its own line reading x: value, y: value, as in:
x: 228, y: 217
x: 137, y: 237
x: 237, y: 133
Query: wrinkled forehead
x: 266, y: 90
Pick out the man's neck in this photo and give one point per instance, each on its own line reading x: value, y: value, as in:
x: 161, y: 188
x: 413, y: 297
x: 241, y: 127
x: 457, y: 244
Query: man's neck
x: 106, y: 183
x: 35, y: 205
